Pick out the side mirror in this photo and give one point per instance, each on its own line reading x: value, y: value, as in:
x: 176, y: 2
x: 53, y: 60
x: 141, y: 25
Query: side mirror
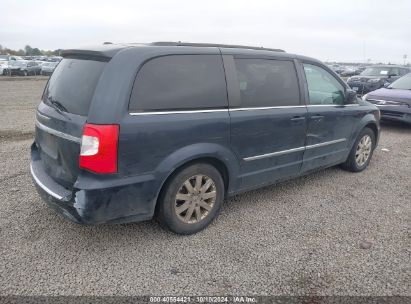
x: 386, y: 85
x: 350, y: 97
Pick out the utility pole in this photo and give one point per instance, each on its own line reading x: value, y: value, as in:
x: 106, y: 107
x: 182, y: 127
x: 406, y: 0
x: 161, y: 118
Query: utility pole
x: 405, y: 58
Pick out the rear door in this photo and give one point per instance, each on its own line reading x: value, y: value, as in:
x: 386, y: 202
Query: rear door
x: 61, y: 116
x: 330, y: 122
x: 268, y: 120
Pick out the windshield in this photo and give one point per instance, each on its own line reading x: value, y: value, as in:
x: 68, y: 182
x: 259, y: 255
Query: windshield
x: 4, y: 57
x: 404, y: 83
x: 374, y: 71
x: 72, y: 84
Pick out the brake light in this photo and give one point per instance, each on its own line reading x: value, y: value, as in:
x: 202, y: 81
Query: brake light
x: 98, y: 152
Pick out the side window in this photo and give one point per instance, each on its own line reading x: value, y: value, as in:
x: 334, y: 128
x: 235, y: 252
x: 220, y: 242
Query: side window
x: 267, y: 82
x: 395, y: 71
x: 180, y: 82
x: 323, y: 88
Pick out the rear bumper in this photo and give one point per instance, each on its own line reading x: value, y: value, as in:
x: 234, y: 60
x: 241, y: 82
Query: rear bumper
x: 130, y: 200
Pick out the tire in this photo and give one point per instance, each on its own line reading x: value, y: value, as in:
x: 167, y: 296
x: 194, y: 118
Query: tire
x: 191, y: 215
x: 356, y: 163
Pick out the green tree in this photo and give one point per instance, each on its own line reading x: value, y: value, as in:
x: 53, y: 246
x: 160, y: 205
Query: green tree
x: 36, y: 52
x: 29, y: 50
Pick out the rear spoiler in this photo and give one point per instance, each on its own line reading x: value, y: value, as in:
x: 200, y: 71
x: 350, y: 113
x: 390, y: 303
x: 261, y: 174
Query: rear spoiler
x: 85, y: 54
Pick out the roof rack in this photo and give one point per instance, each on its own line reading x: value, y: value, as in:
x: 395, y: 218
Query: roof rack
x: 179, y: 43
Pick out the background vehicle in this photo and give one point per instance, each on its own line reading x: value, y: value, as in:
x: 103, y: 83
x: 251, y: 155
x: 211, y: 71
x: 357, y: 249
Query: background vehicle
x: 47, y: 68
x: 3, y: 67
x: 394, y: 101
x: 24, y: 68
x: 373, y: 78
x: 126, y: 132
x: 351, y: 71
x: 337, y: 68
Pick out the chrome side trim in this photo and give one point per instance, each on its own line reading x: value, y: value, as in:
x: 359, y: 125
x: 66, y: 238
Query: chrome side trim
x: 235, y: 109
x: 59, y: 197
x: 325, y: 143
x: 274, y: 154
x: 179, y: 112
x: 57, y: 133
x: 294, y: 150
x: 264, y: 108
x: 334, y: 105
x: 390, y: 105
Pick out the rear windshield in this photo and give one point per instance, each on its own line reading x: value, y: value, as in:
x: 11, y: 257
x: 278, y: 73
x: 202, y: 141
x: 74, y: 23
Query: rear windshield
x: 72, y: 85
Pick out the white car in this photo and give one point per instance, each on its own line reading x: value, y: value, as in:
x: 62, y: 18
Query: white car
x: 3, y: 67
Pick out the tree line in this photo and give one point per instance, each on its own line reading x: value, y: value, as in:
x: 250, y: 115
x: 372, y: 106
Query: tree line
x: 28, y: 51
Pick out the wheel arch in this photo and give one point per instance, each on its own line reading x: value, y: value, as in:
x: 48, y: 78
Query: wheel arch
x: 219, y: 157
x: 368, y: 121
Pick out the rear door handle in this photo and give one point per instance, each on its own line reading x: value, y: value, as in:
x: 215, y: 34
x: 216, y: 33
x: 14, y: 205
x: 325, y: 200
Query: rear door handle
x: 297, y: 118
x: 317, y: 117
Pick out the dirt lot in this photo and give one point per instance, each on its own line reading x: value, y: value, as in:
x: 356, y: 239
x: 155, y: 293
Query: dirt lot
x: 306, y: 236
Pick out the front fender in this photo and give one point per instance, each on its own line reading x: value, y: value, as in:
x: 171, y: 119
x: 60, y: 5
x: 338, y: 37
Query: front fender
x: 368, y: 119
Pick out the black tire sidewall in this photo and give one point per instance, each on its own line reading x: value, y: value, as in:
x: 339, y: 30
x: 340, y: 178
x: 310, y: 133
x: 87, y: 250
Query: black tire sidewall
x: 166, y: 214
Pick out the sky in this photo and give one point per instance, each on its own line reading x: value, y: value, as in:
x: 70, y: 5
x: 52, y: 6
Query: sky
x: 330, y: 30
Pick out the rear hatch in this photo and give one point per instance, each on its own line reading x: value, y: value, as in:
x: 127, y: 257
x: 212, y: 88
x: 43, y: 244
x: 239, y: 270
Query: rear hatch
x: 62, y: 114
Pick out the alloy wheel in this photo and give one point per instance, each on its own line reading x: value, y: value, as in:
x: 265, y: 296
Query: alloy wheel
x: 195, y: 199
x: 363, y: 152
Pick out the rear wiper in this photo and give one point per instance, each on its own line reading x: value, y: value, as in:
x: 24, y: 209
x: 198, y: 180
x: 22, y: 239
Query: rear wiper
x: 58, y: 107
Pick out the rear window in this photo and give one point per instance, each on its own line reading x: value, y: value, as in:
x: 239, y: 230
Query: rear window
x: 72, y: 84
x: 180, y: 82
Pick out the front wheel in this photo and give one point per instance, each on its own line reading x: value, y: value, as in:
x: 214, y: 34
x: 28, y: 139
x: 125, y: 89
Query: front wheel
x: 362, y: 151
x: 192, y: 199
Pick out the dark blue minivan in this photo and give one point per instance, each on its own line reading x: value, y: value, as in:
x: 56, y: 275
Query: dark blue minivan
x: 128, y: 132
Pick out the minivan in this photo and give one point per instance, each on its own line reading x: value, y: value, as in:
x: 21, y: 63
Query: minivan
x: 169, y: 130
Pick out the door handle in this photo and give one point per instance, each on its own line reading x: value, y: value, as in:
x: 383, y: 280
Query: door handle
x: 317, y: 117
x: 297, y: 118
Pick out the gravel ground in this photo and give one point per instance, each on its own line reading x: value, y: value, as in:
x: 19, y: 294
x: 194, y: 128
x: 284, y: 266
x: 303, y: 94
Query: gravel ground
x: 329, y: 233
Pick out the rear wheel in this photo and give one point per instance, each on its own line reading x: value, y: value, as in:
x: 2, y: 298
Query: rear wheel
x: 192, y: 199
x: 361, y: 152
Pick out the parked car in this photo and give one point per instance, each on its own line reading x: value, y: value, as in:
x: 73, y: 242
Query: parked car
x: 128, y: 132
x: 337, y: 68
x: 375, y: 77
x: 352, y: 71
x: 4, y: 63
x: 3, y: 67
x: 394, y: 101
x: 47, y: 68
x: 24, y: 68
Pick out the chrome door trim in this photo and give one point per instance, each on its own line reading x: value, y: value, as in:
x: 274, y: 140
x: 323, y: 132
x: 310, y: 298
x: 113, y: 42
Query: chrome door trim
x: 265, y: 108
x: 57, y: 133
x: 283, y: 152
x: 325, y: 143
x: 274, y: 154
x: 334, y: 105
x: 178, y: 112
x: 52, y: 193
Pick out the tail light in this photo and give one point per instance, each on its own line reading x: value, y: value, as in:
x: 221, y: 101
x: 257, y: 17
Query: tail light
x: 98, y: 151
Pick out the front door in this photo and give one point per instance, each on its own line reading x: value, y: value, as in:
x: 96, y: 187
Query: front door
x: 330, y: 122
x: 268, y: 121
